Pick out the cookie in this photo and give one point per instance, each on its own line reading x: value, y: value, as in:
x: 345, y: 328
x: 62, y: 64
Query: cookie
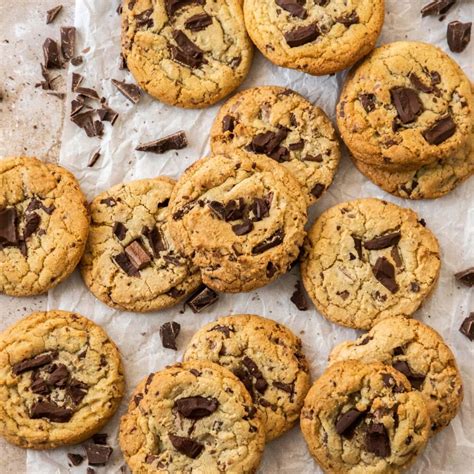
x: 320, y: 37
x: 364, y: 418
x: 419, y: 353
x: 283, y: 125
x: 131, y: 262
x: 407, y: 105
x: 61, y: 380
x: 192, y: 417
x: 240, y: 217
x: 43, y: 225
x: 266, y: 356
x: 186, y: 53
x: 367, y: 260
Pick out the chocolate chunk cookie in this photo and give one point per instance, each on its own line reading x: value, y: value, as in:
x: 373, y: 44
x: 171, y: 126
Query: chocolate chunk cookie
x: 43, y: 225
x: 266, y: 357
x: 364, y: 418
x: 283, y: 125
x: 407, y: 105
x: 419, y: 353
x: 188, y: 53
x: 240, y: 217
x: 61, y: 379
x: 192, y: 417
x: 319, y: 37
x: 130, y: 260
x: 367, y: 260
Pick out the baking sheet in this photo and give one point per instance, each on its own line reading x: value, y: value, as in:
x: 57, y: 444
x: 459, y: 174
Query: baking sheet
x: 451, y: 218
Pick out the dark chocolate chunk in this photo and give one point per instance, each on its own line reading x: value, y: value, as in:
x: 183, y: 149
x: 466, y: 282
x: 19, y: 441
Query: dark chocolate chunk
x: 40, y: 387
x: 234, y: 210
x: 59, y: 376
x: 414, y: 287
x: 87, y: 92
x: 397, y: 258
x: 85, y: 120
x: 459, y: 36
x: 188, y: 447
x: 196, y: 407
x: 176, y: 141
x: 286, y: 387
x: 271, y: 270
x: 419, y: 84
x: 76, y: 390
x: 302, y: 35
x: 218, y: 209
x: 187, y: 53
x: 269, y: 142
x: 293, y: 7
x: 349, y: 19
x: 228, y: 123
x: 438, y: 7
x: 261, y: 208
x: 398, y: 351
x: 466, y: 276
x: 202, y: 299
x: 130, y: 91
x: 100, y: 438
x: 440, y: 131
x: 467, y: 327
x: 126, y: 265
x: 106, y: 114
x: 172, y: 6
x: 77, y: 60
x: 226, y: 330
x: 76, y: 81
x: 33, y: 363
x: 377, y: 440
x: 407, y: 102
x: 76, y: 459
x: 168, y: 333
x: 245, y: 378
x: 296, y: 146
x: 93, y: 158
x: 415, y: 379
x: 137, y: 255
x: 98, y: 454
x: 273, y: 241
x: 383, y: 241
x: 50, y: 411
x: 243, y: 229
x: 52, y: 54
x: 358, y: 247
x: 156, y: 240
x: 368, y: 101
x: 318, y: 190
x: 143, y: 19
x: 32, y: 222
x: 384, y: 272
x: 52, y: 14
x: 68, y: 41
x: 175, y: 293
x: 8, y: 227
x: 119, y: 230
x: 348, y: 422
x: 198, y: 22
x: 299, y: 298
x: 260, y: 383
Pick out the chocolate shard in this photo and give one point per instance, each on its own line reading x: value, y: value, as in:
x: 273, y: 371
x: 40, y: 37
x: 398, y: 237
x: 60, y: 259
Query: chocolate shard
x: 52, y: 54
x: 76, y: 390
x: 349, y: 19
x: 243, y: 229
x: 348, y: 422
x: 261, y: 208
x: 87, y: 92
x: 126, y: 265
x: 187, y: 53
x: 437, y: 7
x: 299, y: 298
x: 59, y: 376
x: 440, y: 131
x: 50, y: 411
x: 188, y: 447
x: 198, y: 22
x: 76, y: 459
x: 155, y: 239
x: 33, y: 363
x: 377, y: 440
x: 459, y: 36
x: 32, y: 222
x: 228, y: 123
x: 98, y: 454
x: 93, y: 158
x: 202, y: 299
x: 383, y: 241
x: 168, y: 333
x: 293, y: 7
x: 234, y: 210
x: 397, y: 258
x: 40, y: 387
x: 260, y: 383
x: 302, y: 35
x: 368, y: 101
x: 76, y: 81
x: 137, y: 255
x: 68, y: 41
x: 466, y: 276
x: 176, y: 141
x: 416, y: 380
x: 196, y: 407
x: 467, y: 327
x: 273, y: 241
x: 218, y: 209
x: 384, y: 272
x: 130, y: 91
x: 8, y: 227
x: 52, y: 14
x: 85, y: 121
x: 407, y: 102
x: 119, y: 230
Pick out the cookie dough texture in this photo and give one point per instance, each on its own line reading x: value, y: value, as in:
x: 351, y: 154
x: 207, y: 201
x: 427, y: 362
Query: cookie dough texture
x: 194, y: 72
x: 434, y: 88
x: 307, y: 145
x: 367, y: 260
x: 268, y: 359
x: 46, y: 200
x: 89, y: 379
x: 343, y: 32
x: 227, y: 436
x: 396, y: 416
x: 129, y: 213
x: 240, y: 217
x: 432, y: 368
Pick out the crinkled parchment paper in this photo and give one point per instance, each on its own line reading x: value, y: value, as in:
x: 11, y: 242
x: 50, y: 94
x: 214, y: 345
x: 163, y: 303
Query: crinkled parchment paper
x: 451, y: 218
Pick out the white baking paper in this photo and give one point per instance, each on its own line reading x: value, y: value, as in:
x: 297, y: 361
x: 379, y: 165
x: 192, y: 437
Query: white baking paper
x: 451, y: 218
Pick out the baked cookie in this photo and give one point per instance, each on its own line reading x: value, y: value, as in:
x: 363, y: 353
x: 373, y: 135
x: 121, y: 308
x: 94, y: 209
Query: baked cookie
x: 283, y: 125
x: 43, y: 225
x: 61, y: 379
x: 419, y: 353
x: 192, y: 417
x: 319, y: 37
x: 189, y: 53
x: 130, y: 261
x: 240, y: 217
x: 407, y: 105
x: 266, y: 356
x: 363, y: 418
x: 367, y: 260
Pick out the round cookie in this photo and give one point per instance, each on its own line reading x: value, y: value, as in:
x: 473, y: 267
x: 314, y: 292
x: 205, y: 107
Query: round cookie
x: 367, y: 260
x: 283, y: 125
x: 320, y: 37
x: 418, y: 352
x: 192, y: 417
x: 43, y: 225
x: 130, y: 261
x: 186, y: 53
x: 407, y: 105
x: 266, y: 356
x: 241, y: 219
x: 362, y: 418
x: 61, y: 380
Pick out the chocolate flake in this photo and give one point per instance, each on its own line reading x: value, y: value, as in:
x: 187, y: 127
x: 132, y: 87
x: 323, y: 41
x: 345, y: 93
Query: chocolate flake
x: 466, y: 276
x: 261, y: 208
x: 198, y: 22
x: 467, y: 327
x: 368, y: 101
x: 50, y: 411
x: 130, y: 91
x: 52, y: 54
x: 383, y: 241
x: 377, y: 440
x: 33, y: 363
x: 176, y: 141
x: 348, y: 422
x: 188, y: 447
x: 137, y: 255
x: 98, y: 454
x: 273, y: 241
x: 68, y: 41
x: 299, y: 298
x: 459, y: 36
x: 187, y: 53
x: 384, y: 272
x: 93, y: 158
x: 76, y: 459
x: 119, y: 230
x: 52, y: 14
x: 440, y: 131
x: 196, y: 407
x: 218, y: 209
x: 302, y: 35
x: 407, y: 102
x: 126, y: 265
x: 202, y: 299
x: 293, y: 7
x: 168, y: 333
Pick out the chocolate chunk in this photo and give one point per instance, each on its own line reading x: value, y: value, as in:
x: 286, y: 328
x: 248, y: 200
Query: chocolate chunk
x: 286, y: 387
x: 202, y: 299
x: 93, y: 158
x: 100, y: 438
x: 398, y: 351
x: 243, y: 229
x: 261, y: 208
x: 119, y: 230
x: 280, y: 154
x: 384, y: 272
x: 467, y: 327
x: 440, y: 131
x: 415, y: 379
x: 198, y: 22
x: 368, y: 101
x: 85, y: 121
x: 33, y: 363
x: 188, y: 447
x: 130, y: 91
x: 226, y: 330
x: 77, y: 391
x: 87, y: 92
x: 218, y: 209
x: 273, y: 241
x: 126, y: 265
x: 77, y: 60
x: 260, y: 383
x: 419, y: 84
x: 296, y: 146
x: 302, y: 35
x: 137, y: 255
x: 269, y: 142
x: 155, y: 239
x: 397, y: 258
x: 52, y: 14
x: 144, y: 19
x: 98, y: 454
x: 59, y: 376
x: 466, y: 276
x: 228, y: 123
x: 40, y: 387
x: 172, y: 6
x: 348, y: 422
x: 196, y: 407
x: 318, y: 190
x: 293, y: 7
x: 187, y: 53
x: 245, y: 378
x: 68, y: 41
x: 76, y: 81
x: 109, y: 202
x: 358, y: 247
x: 383, y: 241
x: 459, y: 36
x: 377, y: 440
x: 52, y: 55
x: 234, y: 210
x: 271, y: 270
x: 106, y: 114
x: 168, y: 333
x: 299, y: 298
x: 8, y: 227
x: 50, y: 411
x: 76, y: 459
x: 438, y: 7
x: 349, y: 19
x: 32, y: 222
x: 150, y: 458
x: 407, y: 103
x: 175, y: 293
x: 414, y: 287
x: 176, y: 141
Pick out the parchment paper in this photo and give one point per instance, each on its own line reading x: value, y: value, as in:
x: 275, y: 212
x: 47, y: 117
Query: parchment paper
x: 451, y: 218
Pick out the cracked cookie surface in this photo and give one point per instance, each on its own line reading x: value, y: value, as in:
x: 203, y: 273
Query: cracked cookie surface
x: 61, y: 379
x: 186, y: 53
x: 407, y: 105
x: 130, y: 260
x: 240, y: 217
x: 286, y: 127
x: 266, y: 356
x: 419, y: 353
x: 362, y: 418
x: 192, y: 417
x: 43, y: 225
x: 367, y: 260
x: 318, y: 37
